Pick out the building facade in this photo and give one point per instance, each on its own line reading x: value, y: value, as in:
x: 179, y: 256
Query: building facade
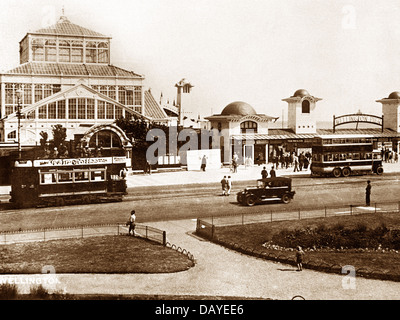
x: 251, y: 137
x: 66, y: 77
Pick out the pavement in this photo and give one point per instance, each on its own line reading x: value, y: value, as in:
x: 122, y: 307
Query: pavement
x: 219, y: 271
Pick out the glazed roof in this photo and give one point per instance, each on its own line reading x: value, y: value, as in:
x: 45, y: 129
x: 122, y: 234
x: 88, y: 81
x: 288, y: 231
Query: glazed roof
x: 70, y: 69
x: 65, y: 27
x: 152, y: 108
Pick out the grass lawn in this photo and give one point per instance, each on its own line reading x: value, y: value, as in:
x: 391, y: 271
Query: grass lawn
x: 106, y: 254
x: 253, y: 236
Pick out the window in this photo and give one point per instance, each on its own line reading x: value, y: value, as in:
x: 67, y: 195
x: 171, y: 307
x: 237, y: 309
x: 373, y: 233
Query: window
x: 81, y: 176
x: 50, y: 51
x: 72, y: 108
x: 47, y: 178
x: 247, y: 126
x: 38, y: 50
x: 61, y: 109
x: 103, y: 52
x: 122, y: 95
x: 91, y: 52
x: 305, y: 106
x: 77, y: 51
x: 52, y: 113
x: 12, y: 135
x: 101, y: 109
x: 64, y: 51
x: 118, y: 112
x: 109, y: 111
x: 138, y: 96
x: 64, y: 177
x: 81, y: 108
x: 97, y: 175
x: 43, y: 112
x: 90, y: 109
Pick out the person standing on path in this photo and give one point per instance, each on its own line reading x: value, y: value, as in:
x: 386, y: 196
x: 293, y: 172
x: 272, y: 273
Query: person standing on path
x: 368, y: 193
x: 228, y: 186
x: 299, y: 258
x: 132, y: 223
x: 264, y: 173
x: 224, y: 185
x: 204, y: 163
x: 272, y: 173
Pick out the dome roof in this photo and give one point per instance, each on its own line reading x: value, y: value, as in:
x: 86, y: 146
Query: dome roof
x: 301, y: 93
x: 238, y: 108
x: 394, y: 95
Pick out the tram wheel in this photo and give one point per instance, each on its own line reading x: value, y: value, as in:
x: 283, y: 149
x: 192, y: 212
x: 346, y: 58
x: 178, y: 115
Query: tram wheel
x: 346, y: 172
x: 337, y: 172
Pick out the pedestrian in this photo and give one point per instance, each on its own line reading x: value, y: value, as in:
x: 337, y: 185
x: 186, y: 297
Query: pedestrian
x: 132, y: 223
x: 272, y: 173
x: 296, y: 163
x: 264, y: 173
x: 368, y: 193
x: 223, y: 185
x: 204, y: 163
x: 299, y: 258
x: 228, y: 186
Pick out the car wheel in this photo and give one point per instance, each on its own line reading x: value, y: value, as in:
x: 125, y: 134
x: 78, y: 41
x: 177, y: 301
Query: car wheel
x: 251, y: 200
x: 379, y: 170
x: 337, y: 172
x: 286, y: 198
x: 346, y: 172
x: 60, y: 202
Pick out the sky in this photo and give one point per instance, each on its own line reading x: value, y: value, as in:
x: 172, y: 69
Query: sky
x: 256, y: 51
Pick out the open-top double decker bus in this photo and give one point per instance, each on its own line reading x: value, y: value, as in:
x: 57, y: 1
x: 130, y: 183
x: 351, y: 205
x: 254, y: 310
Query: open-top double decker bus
x: 49, y: 182
x: 342, y: 156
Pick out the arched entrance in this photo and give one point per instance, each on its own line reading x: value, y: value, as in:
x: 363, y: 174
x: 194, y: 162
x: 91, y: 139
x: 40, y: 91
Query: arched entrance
x: 106, y: 140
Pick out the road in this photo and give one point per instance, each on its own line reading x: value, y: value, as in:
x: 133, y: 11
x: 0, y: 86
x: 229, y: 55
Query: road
x: 202, y: 200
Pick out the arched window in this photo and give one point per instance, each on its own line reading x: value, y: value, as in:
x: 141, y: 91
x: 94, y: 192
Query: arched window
x: 50, y: 48
x: 38, y: 50
x: 305, y: 106
x: 64, y: 51
x: 103, y: 52
x: 248, y: 126
x: 105, y: 139
x: 91, y: 51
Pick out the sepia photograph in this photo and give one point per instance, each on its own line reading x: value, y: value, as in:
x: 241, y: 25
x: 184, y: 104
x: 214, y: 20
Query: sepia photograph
x: 194, y: 157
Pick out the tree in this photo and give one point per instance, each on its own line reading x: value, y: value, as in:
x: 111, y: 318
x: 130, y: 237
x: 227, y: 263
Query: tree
x: 59, y: 136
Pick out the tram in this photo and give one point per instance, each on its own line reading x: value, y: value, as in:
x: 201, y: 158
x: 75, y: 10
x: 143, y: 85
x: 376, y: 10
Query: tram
x: 343, y: 156
x: 59, y: 182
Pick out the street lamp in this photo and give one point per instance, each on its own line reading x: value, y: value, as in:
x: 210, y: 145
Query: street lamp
x: 19, y: 96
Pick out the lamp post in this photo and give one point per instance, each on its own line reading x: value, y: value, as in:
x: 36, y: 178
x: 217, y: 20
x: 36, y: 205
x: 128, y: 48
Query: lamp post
x: 19, y: 96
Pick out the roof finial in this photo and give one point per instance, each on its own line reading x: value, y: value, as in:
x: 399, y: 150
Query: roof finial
x: 62, y: 11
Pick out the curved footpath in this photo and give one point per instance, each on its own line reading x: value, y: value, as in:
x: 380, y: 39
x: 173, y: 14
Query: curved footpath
x: 220, y: 271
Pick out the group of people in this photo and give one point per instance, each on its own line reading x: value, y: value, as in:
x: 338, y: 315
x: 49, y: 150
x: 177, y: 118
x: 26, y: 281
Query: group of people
x: 226, y: 184
x: 389, y: 156
x: 287, y: 160
x: 264, y: 173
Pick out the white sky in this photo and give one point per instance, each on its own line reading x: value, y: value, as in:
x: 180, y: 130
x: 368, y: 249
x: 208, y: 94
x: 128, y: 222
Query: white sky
x: 257, y: 51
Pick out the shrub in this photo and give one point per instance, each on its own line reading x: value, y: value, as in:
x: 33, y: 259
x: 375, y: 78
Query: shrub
x: 8, y: 291
x: 39, y: 292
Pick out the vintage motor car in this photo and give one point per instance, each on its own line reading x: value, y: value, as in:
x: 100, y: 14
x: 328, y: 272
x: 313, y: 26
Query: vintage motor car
x: 269, y: 189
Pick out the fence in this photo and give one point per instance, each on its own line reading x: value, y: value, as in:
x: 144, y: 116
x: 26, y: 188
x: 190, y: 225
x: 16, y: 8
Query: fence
x: 206, y: 226
x: 81, y: 232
